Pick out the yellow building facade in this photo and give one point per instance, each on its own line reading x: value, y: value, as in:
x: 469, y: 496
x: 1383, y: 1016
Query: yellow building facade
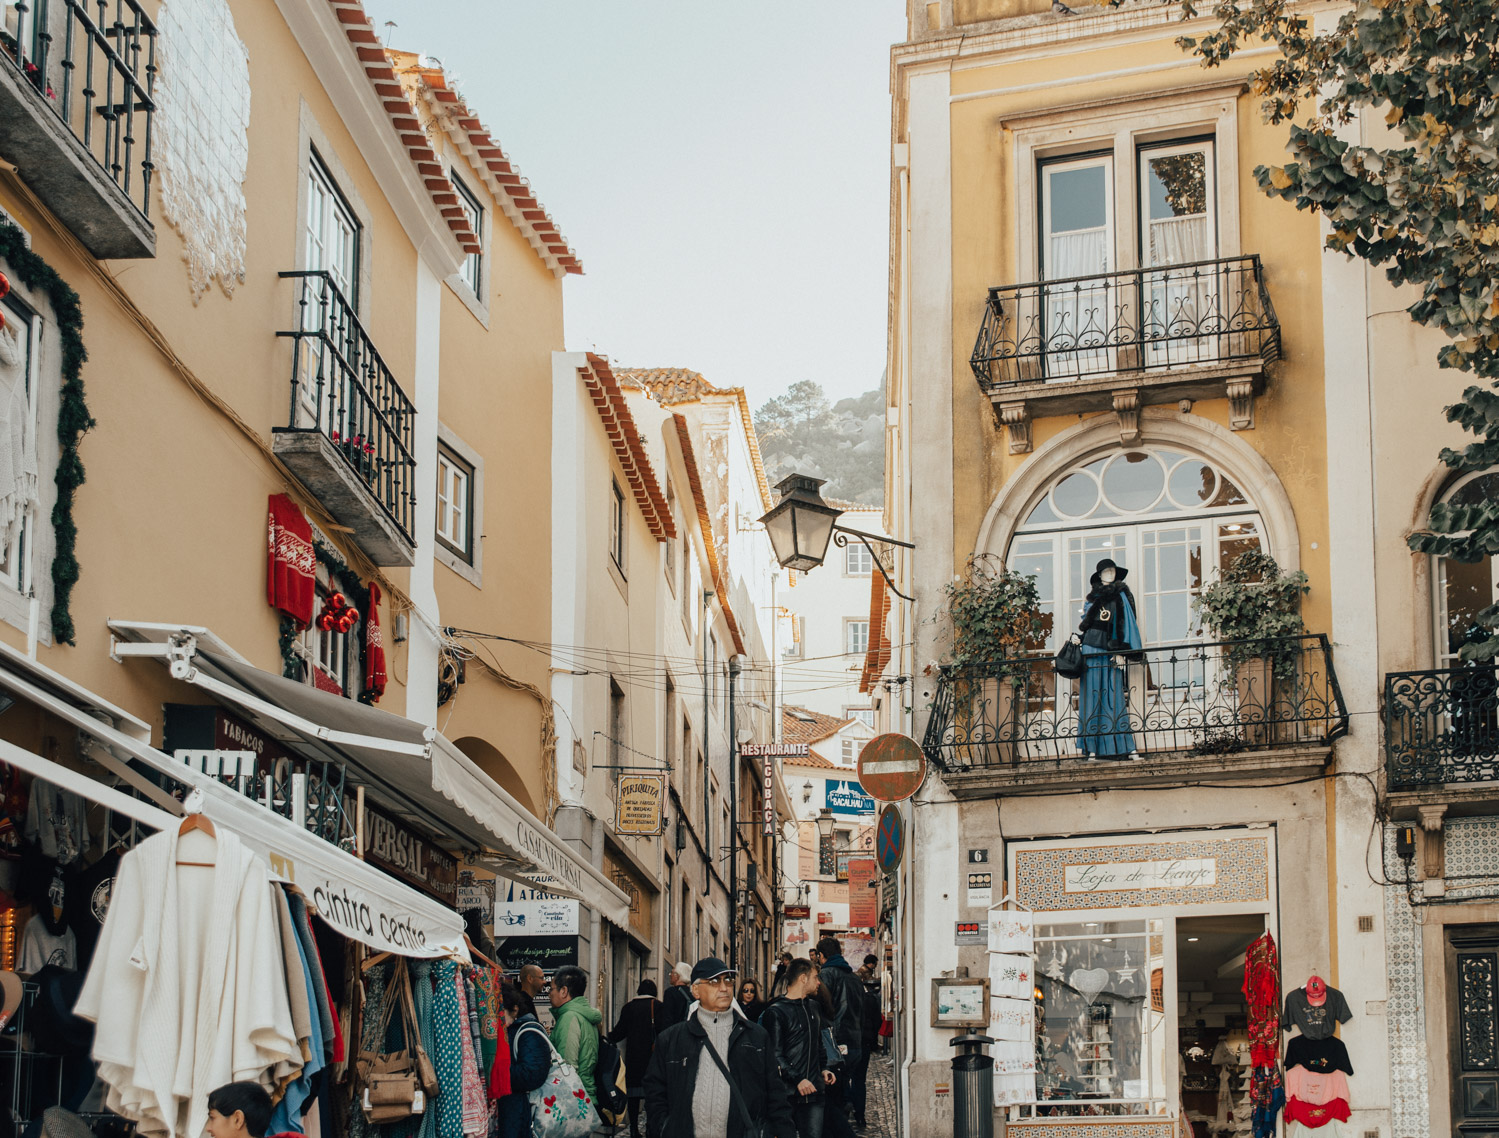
x: 1106, y: 344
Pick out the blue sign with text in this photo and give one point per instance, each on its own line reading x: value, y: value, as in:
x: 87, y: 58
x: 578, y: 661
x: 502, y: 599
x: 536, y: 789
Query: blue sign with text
x: 846, y: 796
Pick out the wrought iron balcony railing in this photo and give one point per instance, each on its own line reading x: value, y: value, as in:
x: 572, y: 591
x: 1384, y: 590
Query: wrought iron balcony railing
x: 1206, y: 699
x: 341, y: 389
x: 1441, y: 726
x: 99, y: 80
x: 1202, y: 313
x: 312, y: 797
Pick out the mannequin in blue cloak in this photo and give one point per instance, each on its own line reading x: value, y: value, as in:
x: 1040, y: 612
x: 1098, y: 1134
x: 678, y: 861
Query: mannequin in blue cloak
x: 1109, y: 628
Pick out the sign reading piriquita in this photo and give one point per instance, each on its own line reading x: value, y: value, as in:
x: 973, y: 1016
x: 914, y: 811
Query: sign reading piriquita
x: 638, y: 805
x: 769, y: 752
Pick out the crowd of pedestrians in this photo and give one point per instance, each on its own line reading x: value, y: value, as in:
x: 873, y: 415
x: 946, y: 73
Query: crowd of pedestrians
x: 713, y: 1055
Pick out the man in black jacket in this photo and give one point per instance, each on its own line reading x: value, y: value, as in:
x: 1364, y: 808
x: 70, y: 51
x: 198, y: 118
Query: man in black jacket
x: 847, y: 995
x: 675, y: 1003
x: 794, y: 1024
x: 690, y: 1094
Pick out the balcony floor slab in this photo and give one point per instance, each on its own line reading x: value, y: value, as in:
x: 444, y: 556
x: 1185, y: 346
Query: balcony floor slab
x: 1155, y: 771
x: 314, y: 458
x: 65, y: 176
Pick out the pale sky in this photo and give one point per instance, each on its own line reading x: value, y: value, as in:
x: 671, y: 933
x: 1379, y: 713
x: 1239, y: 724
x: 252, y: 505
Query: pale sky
x: 722, y: 170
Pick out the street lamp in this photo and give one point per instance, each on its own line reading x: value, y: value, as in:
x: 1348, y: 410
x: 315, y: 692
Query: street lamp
x: 825, y: 823
x: 801, y: 524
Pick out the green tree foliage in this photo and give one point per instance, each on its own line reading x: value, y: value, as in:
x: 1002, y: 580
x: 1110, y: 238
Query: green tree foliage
x: 1422, y: 201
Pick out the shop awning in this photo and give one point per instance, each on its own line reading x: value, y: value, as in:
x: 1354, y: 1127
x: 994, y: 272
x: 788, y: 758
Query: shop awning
x: 408, y: 769
x: 354, y: 898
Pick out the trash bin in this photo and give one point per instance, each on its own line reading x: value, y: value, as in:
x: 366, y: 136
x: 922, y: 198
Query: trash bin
x: 972, y: 1088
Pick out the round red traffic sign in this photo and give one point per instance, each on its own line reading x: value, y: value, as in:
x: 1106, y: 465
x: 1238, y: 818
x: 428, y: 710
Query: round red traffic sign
x: 891, y: 767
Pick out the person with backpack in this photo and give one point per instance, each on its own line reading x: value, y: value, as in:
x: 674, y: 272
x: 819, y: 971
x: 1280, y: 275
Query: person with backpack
x: 637, y: 1028
x: 530, y: 1059
x: 794, y: 1024
x: 715, y: 1076
x: 575, y: 1025
x: 847, y: 996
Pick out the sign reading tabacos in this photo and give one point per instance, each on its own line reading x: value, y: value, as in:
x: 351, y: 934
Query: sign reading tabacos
x: 1130, y: 876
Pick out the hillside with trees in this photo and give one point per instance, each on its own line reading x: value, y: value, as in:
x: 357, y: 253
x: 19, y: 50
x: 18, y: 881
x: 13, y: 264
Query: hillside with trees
x: 843, y: 442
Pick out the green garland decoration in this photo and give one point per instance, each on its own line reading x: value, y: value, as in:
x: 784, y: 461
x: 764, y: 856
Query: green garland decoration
x: 291, y: 663
x: 73, y: 419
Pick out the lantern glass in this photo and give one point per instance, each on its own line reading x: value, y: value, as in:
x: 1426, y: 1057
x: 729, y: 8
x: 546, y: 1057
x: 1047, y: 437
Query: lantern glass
x: 825, y: 823
x: 800, y: 525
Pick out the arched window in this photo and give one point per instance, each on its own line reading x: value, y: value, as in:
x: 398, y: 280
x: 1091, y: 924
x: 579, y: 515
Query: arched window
x: 1462, y: 590
x: 1170, y: 517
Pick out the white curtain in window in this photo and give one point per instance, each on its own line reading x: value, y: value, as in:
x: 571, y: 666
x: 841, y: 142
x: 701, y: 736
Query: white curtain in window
x: 18, y: 471
x: 1081, y: 310
x: 1182, y: 306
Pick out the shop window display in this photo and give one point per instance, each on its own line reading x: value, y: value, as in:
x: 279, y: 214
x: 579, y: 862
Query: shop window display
x: 1101, y: 1037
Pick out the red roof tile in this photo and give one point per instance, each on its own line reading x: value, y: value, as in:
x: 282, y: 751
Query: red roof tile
x: 799, y: 725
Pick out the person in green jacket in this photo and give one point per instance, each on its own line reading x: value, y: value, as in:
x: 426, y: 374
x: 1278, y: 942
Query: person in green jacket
x: 575, y: 1025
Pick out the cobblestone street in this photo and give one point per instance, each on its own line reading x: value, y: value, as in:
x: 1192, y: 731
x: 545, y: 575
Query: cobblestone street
x: 883, y: 1120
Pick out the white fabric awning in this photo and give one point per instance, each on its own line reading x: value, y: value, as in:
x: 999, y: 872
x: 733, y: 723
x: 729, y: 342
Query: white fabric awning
x: 408, y: 769
x: 354, y: 898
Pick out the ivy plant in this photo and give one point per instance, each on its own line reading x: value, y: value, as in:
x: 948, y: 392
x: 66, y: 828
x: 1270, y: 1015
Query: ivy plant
x: 1255, y: 609
x: 996, y: 617
x: 1420, y: 200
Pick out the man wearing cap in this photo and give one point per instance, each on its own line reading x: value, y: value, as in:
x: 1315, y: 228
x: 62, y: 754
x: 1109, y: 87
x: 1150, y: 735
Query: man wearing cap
x: 714, y: 1074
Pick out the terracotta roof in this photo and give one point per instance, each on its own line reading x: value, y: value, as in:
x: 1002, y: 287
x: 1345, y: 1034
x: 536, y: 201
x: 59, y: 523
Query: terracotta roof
x: 798, y: 725
x: 610, y: 403
x: 715, y: 567
x: 671, y: 386
x: 389, y: 72
x: 816, y: 761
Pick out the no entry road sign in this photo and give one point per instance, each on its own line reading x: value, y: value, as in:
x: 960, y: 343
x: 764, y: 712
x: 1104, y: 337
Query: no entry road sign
x: 891, y: 767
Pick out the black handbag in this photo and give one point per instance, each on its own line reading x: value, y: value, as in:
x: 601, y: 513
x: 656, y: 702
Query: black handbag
x: 1069, y: 661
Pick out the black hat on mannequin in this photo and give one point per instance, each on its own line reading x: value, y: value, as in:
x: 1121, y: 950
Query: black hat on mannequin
x: 1120, y: 572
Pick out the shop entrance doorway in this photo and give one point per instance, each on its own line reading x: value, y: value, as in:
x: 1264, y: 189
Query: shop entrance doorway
x: 1472, y: 996
x: 1212, y: 1021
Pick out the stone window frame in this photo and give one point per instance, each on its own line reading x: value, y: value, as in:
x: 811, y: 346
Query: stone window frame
x: 312, y: 138
x: 1122, y: 126
x: 471, y: 569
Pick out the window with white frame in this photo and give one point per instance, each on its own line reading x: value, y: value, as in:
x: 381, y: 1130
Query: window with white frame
x: 857, y: 560
x: 1462, y: 590
x: 473, y: 210
x: 455, y: 503
x: 332, y: 232
x: 851, y: 749
x: 855, y: 637
x: 864, y: 715
x: 329, y: 649
x: 617, y: 525
x: 20, y: 355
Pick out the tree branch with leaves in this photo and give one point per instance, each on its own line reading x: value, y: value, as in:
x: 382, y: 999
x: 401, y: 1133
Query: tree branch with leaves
x: 1421, y: 201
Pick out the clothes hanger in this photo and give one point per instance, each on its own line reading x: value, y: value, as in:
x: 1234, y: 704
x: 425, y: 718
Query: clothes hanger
x: 200, y: 822
x: 477, y: 954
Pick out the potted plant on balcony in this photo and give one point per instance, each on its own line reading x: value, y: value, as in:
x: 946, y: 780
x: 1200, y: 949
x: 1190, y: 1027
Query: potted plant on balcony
x: 1254, y: 608
x: 996, y: 620
x: 360, y: 453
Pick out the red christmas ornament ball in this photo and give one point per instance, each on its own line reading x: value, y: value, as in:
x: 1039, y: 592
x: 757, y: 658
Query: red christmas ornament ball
x: 4, y: 286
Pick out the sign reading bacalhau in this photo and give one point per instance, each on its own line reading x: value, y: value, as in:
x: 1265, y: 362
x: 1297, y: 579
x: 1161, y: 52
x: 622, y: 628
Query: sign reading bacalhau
x: 846, y: 796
